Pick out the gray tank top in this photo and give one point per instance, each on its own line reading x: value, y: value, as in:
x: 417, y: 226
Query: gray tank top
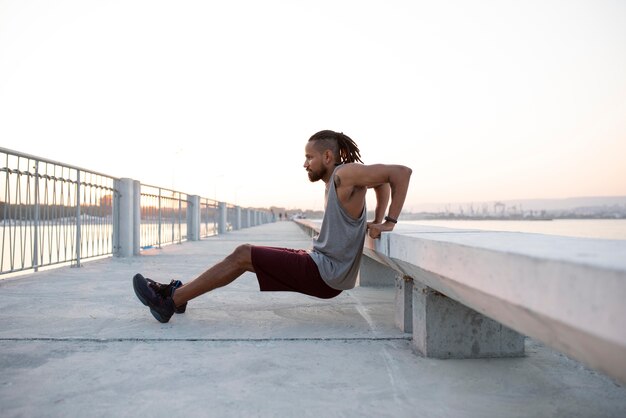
x: 337, y: 250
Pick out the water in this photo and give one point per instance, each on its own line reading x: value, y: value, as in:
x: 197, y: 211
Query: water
x: 56, y: 241
x: 582, y: 228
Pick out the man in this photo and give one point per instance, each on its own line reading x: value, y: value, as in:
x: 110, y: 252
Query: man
x: 332, y: 265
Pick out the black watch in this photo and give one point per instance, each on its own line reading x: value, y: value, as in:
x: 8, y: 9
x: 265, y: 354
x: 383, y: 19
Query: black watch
x: 393, y: 221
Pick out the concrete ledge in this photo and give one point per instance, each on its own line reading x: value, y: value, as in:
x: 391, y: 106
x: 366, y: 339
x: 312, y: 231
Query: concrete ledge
x: 566, y: 292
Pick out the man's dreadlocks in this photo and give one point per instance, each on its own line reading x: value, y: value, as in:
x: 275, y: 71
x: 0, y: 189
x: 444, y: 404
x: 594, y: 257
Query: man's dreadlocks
x: 344, y: 148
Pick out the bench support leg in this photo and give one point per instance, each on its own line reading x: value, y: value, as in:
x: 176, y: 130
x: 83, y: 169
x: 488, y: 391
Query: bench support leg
x: 404, y: 303
x: 444, y: 328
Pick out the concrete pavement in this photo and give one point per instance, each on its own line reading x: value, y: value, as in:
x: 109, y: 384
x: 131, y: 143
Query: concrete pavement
x: 76, y: 342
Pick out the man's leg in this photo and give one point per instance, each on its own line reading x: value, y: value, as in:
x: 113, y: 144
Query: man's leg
x: 221, y: 274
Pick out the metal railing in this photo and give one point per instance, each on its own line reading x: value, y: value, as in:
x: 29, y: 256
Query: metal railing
x: 163, y: 216
x: 208, y: 217
x: 231, y: 214
x: 52, y: 213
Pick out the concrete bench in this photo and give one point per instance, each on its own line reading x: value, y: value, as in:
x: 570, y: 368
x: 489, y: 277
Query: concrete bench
x: 469, y: 293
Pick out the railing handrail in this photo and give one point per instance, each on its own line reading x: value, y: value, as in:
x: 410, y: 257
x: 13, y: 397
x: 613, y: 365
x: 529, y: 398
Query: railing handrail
x: 49, y: 161
x: 166, y: 189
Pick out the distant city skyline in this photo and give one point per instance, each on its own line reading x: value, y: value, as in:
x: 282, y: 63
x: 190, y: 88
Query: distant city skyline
x: 563, y: 204
x: 483, y: 100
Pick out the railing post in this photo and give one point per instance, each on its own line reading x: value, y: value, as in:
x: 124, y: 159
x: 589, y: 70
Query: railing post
x: 126, y: 234
x: 193, y: 218
x: 215, y: 218
x: 78, y: 219
x: 222, y: 220
x: 136, y: 217
x: 237, y: 218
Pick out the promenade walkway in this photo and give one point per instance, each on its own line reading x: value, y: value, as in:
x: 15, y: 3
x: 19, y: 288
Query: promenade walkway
x: 76, y: 342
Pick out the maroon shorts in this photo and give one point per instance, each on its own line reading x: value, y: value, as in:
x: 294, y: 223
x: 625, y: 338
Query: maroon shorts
x: 287, y: 270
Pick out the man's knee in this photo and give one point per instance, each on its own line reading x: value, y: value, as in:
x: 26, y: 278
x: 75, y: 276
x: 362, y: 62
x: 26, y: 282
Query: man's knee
x: 243, y: 256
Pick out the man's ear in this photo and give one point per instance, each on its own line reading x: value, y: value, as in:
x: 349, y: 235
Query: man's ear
x: 328, y: 156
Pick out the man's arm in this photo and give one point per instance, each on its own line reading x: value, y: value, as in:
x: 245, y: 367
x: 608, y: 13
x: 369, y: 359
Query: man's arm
x: 396, y: 176
x: 382, y: 201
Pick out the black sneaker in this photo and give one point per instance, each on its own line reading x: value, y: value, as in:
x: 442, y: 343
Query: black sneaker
x: 168, y: 290
x: 162, y: 308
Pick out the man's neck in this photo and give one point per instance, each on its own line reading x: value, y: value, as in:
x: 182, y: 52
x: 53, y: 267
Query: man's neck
x: 327, y: 178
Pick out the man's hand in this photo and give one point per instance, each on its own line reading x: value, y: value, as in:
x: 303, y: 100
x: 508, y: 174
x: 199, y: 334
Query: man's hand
x: 374, y: 230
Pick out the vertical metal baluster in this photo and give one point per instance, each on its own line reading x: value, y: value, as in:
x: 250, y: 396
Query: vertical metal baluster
x: 36, y: 226
x: 18, y: 200
x: 180, y: 224
x: 45, y: 235
x: 110, y: 213
x: 172, y: 216
x: 54, y: 218
x: 63, y: 221
x: 159, y: 244
x: 97, y: 233
x: 141, y: 235
x: 86, y: 231
x: 68, y: 237
x: 55, y: 225
x: 115, y: 219
x: 100, y: 236
x: 4, y: 213
x: 11, y: 226
x: 78, y: 220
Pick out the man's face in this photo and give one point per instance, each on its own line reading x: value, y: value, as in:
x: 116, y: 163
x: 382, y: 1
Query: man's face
x: 313, y: 162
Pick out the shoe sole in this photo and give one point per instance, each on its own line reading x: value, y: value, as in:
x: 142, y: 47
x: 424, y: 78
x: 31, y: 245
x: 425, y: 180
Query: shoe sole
x: 136, y: 280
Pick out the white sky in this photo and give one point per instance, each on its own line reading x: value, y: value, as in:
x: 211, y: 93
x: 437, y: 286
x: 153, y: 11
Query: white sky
x: 485, y: 100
